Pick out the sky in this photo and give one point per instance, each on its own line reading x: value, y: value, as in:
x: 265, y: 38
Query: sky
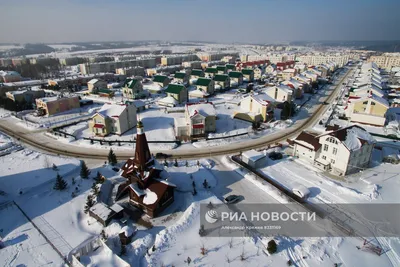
x: 226, y: 21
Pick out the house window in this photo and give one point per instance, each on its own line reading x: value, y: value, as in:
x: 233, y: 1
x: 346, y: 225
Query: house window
x: 326, y: 147
x: 332, y: 161
x: 334, y: 151
x: 365, y: 103
x: 373, y: 103
x: 323, y: 157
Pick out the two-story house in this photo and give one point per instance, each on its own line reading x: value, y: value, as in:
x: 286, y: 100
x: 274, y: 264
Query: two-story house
x: 205, y: 85
x: 222, y: 82
x: 113, y: 119
x: 339, y: 151
x: 258, y: 72
x: 176, y: 94
x: 161, y: 80
x: 200, y: 119
x: 210, y: 72
x: 95, y: 85
x: 236, y: 78
x: 280, y: 93
x: 248, y: 75
x: 133, y: 89
x: 181, y: 77
x: 367, y: 109
x: 256, y: 108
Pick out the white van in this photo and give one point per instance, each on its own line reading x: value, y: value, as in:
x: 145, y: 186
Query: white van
x: 301, y: 191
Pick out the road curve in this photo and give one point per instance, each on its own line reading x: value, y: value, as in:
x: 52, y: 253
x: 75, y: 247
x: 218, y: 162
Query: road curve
x: 46, y: 143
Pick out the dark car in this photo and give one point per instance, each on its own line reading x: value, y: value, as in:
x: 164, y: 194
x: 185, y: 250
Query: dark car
x: 232, y: 199
x: 162, y: 155
x: 275, y: 155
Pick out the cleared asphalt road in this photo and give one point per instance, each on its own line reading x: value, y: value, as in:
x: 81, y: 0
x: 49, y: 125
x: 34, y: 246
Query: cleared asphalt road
x: 45, y: 143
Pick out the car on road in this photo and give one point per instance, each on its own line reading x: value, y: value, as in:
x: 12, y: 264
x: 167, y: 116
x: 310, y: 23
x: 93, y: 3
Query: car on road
x: 301, y: 191
x: 232, y: 199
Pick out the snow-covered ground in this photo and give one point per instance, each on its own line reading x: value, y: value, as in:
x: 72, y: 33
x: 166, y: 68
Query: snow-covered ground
x: 23, y: 244
x: 26, y: 170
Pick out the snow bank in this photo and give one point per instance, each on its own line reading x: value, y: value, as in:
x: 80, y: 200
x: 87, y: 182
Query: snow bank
x: 353, y: 137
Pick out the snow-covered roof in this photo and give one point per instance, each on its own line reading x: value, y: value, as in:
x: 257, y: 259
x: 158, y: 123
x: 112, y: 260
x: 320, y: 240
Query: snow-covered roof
x: 198, y: 93
x: 169, y: 100
x: 93, y: 81
x: 166, y: 182
x: 101, y: 210
x: 253, y: 155
x: 150, y: 197
x: 263, y: 99
x: 128, y: 231
x: 112, y: 110
x: 116, y: 208
x: 205, y: 109
x: 353, y: 137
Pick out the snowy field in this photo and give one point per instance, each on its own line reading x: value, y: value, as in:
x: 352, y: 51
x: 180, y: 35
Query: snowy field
x: 23, y: 244
x: 27, y: 170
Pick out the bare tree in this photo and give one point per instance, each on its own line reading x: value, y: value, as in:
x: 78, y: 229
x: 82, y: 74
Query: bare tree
x: 228, y: 260
x: 230, y: 243
x: 203, y: 249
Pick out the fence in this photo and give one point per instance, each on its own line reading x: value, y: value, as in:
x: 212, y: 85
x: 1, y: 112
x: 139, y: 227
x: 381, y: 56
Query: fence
x: 119, y: 142
x: 385, y: 136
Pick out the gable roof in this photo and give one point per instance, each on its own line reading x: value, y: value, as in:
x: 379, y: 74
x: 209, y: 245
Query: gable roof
x: 111, y: 110
x: 130, y: 83
x: 196, y: 72
x: 263, y: 99
x: 221, y: 68
x: 352, y: 137
x: 159, y: 78
x: 211, y: 70
x: 221, y: 77
x: 205, y: 109
x: 230, y: 66
x: 308, y: 140
x: 235, y: 74
x: 247, y: 71
x: 203, y: 81
x: 180, y: 75
x: 175, y: 88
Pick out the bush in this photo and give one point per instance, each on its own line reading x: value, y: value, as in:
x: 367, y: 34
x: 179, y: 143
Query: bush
x: 272, y: 247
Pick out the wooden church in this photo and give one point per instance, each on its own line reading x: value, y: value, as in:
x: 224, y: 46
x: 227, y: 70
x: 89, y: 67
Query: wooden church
x: 147, y: 191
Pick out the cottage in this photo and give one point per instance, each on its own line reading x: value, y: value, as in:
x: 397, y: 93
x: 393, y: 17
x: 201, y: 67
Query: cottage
x: 339, y: 151
x: 95, y: 85
x: 280, y: 93
x: 236, y: 78
x: 254, y: 159
x: 176, y: 94
x: 297, y: 87
x: 133, y: 89
x: 161, y: 80
x: 210, y: 72
x: 288, y: 74
x: 221, y: 69
x: 258, y: 72
x: 270, y: 69
x: 368, y: 109
x: 200, y: 119
x: 222, y: 82
x: 206, y: 85
x: 248, y: 75
x: 113, y: 119
x: 230, y: 67
x: 147, y: 190
x: 256, y: 108
x: 104, y: 214
x: 181, y: 77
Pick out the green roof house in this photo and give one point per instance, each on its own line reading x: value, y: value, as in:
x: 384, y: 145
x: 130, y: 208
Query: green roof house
x: 230, y: 67
x: 178, y: 92
x: 210, y: 72
x: 221, y: 69
x: 222, y: 81
x: 181, y: 77
x: 132, y: 89
x: 161, y: 80
x: 248, y: 75
x: 236, y: 78
x: 206, y: 85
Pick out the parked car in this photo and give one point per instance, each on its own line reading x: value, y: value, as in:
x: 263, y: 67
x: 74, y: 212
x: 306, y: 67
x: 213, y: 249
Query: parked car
x: 301, y: 191
x: 162, y: 155
x: 232, y: 199
x: 275, y: 155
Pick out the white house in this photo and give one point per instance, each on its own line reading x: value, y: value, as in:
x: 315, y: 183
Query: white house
x: 256, y: 108
x: 339, y: 151
x: 280, y: 93
x: 200, y: 119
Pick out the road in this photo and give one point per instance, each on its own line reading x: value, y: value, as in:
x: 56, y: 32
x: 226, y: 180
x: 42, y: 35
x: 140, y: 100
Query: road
x: 46, y: 143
